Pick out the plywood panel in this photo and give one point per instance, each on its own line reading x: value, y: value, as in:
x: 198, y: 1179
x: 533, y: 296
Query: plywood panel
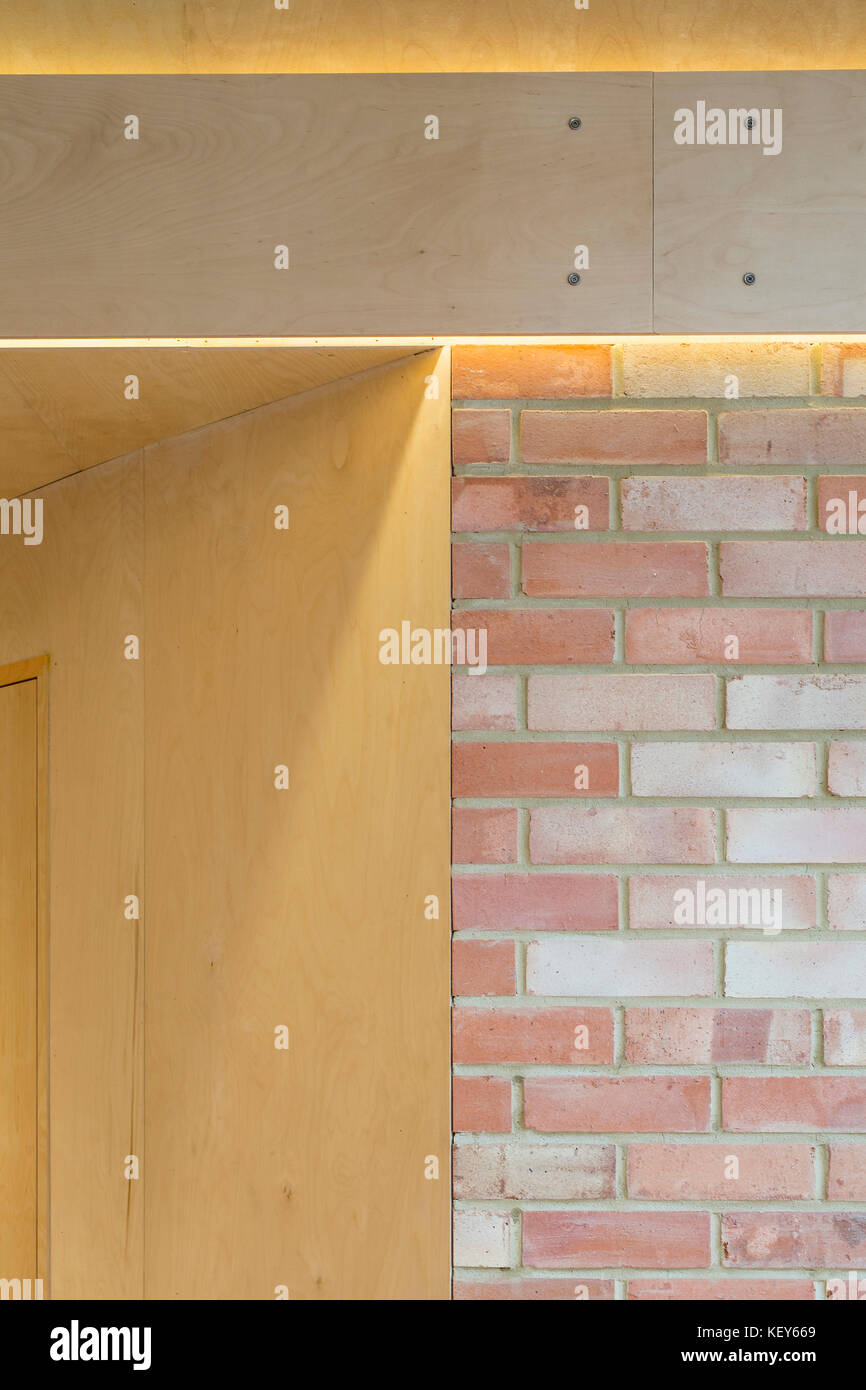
x: 88, y: 36
x: 63, y: 409
x: 77, y: 596
x: 388, y: 232
x: 301, y: 907
x: 794, y: 220
x: 19, y: 1125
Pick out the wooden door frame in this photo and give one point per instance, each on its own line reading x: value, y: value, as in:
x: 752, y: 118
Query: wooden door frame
x: 36, y: 668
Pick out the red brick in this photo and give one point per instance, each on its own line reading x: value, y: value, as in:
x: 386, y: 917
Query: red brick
x: 621, y: 835
x: 652, y: 905
x: 482, y: 836
x: 482, y: 967
x: 682, y: 1036
x: 522, y: 371
x: 483, y: 702
x: 480, y: 570
x: 845, y: 1037
x: 837, y: 519
x: 791, y: 1240
x: 819, y: 835
x: 534, y: 1290
x: 782, y: 1104
x: 596, y: 1239
x: 692, y: 636
x: 542, y: 636
x: 529, y: 504
x: 632, y: 569
x: 530, y: 1035
x: 793, y: 569
x: 608, y: 1104
x: 570, y: 1172
x: 614, y: 436
x: 847, y: 1176
x: 697, y: 1172
x: 481, y: 1104
x: 732, y: 503
x: 787, y: 437
x: 632, y: 701
x: 480, y: 436
x: 842, y: 369
x: 535, y: 902
x: 722, y: 1290
x: 534, y: 769
x: 845, y: 635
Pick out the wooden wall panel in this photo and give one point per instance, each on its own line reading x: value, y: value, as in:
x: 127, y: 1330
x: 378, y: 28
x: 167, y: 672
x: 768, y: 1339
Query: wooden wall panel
x: 76, y: 596
x: 301, y: 907
x: 63, y: 409
x: 19, y: 994
x: 794, y: 219
x: 388, y: 232
x: 101, y: 36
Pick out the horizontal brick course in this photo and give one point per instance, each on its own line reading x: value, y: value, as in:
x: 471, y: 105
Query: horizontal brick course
x: 529, y: 1035
x: 534, y: 769
x: 690, y: 636
x: 666, y: 368
x: 562, y: 965
x: 542, y: 636
x: 674, y: 1036
x: 565, y: 1171
x: 724, y: 769
x: 529, y: 504
x: 786, y: 1240
x: 792, y: 437
x: 608, y: 703
x: 554, y: 372
x: 606, y: 1104
x: 615, y: 568
x: 535, y: 902
x: 714, y: 504
x: 788, y: 1104
x: 614, y: 436
x: 637, y: 835
x: 593, y: 1240
x: 654, y: 904
x: 727, y: 1172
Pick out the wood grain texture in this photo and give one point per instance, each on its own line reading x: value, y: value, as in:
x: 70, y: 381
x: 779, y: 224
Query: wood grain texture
x: 19, y: 1022
x: 388, y: 232
x: 794, y: 220
x: 173, y: 36
x: 303, y: 907
x: 76, y: 596
x: 63, y: 409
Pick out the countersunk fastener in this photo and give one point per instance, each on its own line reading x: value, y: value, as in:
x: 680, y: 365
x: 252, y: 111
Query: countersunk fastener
x: 574, y: 123
x: 749, y: 278
x: 574, y: 278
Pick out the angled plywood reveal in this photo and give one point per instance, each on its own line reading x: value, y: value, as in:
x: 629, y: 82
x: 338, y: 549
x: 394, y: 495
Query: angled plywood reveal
x: 298, y: 906
x: 67, y: 408
x: 792, y: 219
x: 313, y: 206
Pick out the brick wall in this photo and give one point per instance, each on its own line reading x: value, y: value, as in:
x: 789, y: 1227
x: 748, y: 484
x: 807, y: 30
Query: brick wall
x: 656, y: 1097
